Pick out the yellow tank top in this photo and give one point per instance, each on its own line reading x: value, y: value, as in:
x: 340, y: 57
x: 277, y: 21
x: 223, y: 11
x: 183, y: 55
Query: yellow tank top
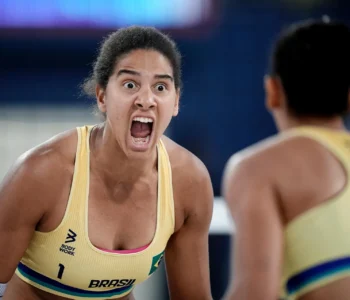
x: 317, y: 243
x: 64, y: 262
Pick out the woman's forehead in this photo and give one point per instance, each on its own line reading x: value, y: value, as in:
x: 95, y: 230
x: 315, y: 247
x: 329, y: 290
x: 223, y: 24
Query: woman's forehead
x: 145, y: 61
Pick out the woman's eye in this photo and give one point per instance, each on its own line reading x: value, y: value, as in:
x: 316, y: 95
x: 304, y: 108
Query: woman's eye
x: 160, y: 87
x: 129, y: 85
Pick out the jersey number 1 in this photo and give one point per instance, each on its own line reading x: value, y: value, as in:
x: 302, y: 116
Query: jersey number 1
x: 60, y: 271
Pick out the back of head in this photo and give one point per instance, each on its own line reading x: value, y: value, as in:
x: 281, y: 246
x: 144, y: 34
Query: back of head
x: 312, y: 60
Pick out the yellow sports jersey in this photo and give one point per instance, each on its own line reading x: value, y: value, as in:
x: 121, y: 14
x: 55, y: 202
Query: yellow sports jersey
x: 64, y: 262
x: 317, y: 243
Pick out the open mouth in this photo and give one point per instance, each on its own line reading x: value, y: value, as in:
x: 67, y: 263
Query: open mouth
x: 141, y: 130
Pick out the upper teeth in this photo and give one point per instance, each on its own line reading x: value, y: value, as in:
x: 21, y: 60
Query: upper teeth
x: 143, y: 120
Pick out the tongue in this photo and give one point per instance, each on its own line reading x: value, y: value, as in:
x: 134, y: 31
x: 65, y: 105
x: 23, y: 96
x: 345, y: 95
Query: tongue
x: 140, y: 130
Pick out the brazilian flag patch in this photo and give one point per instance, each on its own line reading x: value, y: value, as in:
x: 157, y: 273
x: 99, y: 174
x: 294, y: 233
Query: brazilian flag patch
x: 156, y: 260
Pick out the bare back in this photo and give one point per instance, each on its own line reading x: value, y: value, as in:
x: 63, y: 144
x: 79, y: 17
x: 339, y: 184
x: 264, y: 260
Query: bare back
x: 286, y: 222
x: 311, y: 178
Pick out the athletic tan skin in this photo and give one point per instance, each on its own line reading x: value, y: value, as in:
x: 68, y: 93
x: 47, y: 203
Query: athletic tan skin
x: 265, y: 191
x: 34, y: 194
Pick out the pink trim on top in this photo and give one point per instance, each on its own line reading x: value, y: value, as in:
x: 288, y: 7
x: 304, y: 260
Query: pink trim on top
x: 126, y: 251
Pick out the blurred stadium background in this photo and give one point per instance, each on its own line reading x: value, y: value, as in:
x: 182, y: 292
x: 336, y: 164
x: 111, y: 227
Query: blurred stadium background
x: 47, y: 48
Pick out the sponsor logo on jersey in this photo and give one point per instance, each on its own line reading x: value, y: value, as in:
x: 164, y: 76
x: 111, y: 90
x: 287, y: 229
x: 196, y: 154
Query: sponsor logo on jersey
x: 71, y: 237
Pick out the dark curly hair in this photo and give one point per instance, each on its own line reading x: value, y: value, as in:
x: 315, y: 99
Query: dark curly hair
x: 312, y: 60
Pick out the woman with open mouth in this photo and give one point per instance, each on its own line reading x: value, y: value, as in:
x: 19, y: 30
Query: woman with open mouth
x: 91, y: 213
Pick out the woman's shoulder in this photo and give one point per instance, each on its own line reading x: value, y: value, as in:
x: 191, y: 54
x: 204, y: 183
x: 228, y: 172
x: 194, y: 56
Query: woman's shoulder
x: 184, y: 164
x: 40, y: 174
x: 55, y: 153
